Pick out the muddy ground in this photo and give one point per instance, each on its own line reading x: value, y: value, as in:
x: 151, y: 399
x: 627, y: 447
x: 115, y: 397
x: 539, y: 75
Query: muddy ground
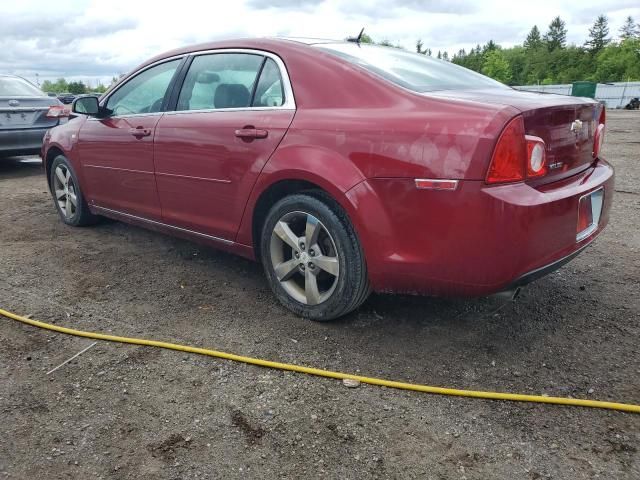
x: 124, y: 412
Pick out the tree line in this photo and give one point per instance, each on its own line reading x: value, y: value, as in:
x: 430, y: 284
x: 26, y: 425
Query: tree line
x: 77, y: 87
x: 548, y: 59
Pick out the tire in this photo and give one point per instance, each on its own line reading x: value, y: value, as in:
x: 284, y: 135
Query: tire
x: 334, y: 279
x: 64, y: 188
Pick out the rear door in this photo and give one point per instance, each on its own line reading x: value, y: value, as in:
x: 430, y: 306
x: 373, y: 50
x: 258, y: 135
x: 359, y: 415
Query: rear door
x: 231, y: 112
x: 116, y: 152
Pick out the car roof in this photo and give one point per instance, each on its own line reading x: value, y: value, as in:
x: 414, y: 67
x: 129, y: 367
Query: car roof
x: 278, y: 45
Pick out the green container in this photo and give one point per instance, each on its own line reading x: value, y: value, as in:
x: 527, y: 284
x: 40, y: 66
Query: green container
x: 584, y: 89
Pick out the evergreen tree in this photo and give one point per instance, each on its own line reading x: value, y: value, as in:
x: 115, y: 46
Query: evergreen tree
x: 556, y: 37
x: 496, y: 66
x: 630, y: 29
x: 534, y: 40
x: 489, y: 47
x: 445, y: 56
x: 439, y: 55
x: 419, y: 46
x: 598, y: 35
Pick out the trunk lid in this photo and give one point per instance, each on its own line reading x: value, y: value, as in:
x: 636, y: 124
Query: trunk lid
x: 566, y: 124
x: 19, y: 113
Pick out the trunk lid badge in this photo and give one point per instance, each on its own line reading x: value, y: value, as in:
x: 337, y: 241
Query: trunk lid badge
x: 576, y: 126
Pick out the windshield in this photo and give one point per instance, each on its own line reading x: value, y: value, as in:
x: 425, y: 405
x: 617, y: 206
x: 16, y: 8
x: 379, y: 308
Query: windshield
x: 414, y: 71
x: 17, y: 87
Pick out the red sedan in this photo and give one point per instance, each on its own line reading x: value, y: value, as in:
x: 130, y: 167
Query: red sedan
x: 343, y: 168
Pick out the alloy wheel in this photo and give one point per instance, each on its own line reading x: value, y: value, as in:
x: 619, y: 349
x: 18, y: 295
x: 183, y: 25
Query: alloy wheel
x: 65, y: 191
x: 304, y: 258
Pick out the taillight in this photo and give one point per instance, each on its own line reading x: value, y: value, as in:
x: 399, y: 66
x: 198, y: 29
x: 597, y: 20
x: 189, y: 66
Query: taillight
x: 517, y: 156
x: 536, y: 157
x: 598, y: 138
x: 510, y: 154
x: 57, y: 111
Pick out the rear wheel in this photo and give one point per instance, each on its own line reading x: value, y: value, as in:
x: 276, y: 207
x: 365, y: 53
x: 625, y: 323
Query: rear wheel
x: 312, y: 257
x: 67, y: 195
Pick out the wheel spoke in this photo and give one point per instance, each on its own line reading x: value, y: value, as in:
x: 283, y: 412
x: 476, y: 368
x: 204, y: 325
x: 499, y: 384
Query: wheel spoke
x: 286, y: 235
x: 312, y: 230
x: 328, y: 264
x: 60, y: 175
x: 311, y: 290
x: 60, y: 194
x: 73, y: 198
x: 67, y: 175
x: 285, y: 270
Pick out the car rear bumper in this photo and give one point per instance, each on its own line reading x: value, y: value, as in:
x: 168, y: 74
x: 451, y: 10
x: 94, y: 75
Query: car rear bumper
x: 476, y: 240
x: 21, y: 142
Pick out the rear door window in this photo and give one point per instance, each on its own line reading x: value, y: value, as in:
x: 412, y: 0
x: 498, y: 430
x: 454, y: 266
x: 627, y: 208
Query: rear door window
x: 269, y: 91
x: 220, y: 81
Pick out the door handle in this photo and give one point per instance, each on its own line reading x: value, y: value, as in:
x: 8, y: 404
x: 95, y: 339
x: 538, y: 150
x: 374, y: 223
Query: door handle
x: 251, y: 132
x: 140, y: 132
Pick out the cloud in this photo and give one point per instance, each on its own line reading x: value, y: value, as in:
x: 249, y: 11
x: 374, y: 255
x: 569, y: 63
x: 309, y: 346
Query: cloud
x: 283, y: 4
x: 385, y: 9
x: 91, y: 39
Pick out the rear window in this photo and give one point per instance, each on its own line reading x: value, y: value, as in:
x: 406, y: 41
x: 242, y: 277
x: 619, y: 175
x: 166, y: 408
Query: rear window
x: 17, y: 87
x: 413, y: 71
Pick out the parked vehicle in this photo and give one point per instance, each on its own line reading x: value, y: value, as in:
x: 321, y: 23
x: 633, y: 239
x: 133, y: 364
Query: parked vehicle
x: 26, y: 113
x: 66, y: 98
x: 343, y: 168
x: 634, y: 104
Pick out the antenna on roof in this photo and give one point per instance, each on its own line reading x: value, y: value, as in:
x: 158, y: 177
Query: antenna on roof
x: 356, y: 39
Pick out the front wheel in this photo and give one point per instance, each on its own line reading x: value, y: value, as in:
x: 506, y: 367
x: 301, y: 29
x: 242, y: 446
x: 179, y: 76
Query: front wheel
x: 312, y: 257
x: 67, y: 195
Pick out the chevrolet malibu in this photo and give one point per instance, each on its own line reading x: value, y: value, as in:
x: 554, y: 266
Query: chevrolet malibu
x: 343, y: 168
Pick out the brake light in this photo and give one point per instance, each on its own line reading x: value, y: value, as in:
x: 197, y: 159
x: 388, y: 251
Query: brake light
x: 517, y: 156
x: 598, y: 138
x: 57, y: 111
x: 510, y: 154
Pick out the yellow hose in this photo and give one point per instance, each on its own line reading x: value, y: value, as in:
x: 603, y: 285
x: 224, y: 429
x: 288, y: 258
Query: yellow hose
x: 328, y: 373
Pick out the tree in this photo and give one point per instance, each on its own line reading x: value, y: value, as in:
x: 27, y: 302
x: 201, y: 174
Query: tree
x: 77, y: 88
x: 534, y: 40
x: 419, y: 46
x: 598, y: 34
x: 556, y: 36
x: 496, y: 66
x: 439, y: 55
x: 489, y: 47
x: 619, y: 62
x: 366, y: 38
x: 630, y: 29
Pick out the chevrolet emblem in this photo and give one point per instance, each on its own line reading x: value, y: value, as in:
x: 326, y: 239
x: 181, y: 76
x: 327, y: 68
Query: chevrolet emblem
x: 576, y: 126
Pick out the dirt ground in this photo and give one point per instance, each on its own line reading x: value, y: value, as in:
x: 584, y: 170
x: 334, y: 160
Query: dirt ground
x: 126, y: 412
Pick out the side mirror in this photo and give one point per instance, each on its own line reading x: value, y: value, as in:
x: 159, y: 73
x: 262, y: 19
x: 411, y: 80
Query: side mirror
x: 86, y: 106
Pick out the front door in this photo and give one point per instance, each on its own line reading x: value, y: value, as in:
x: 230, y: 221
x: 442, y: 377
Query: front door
x: 116, y: 152
x: 231, y: 114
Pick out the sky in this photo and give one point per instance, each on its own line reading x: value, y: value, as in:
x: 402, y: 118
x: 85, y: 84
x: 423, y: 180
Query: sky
x: 94, y: 40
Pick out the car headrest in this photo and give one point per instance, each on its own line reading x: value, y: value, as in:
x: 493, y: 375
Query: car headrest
x: 231, y: 95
